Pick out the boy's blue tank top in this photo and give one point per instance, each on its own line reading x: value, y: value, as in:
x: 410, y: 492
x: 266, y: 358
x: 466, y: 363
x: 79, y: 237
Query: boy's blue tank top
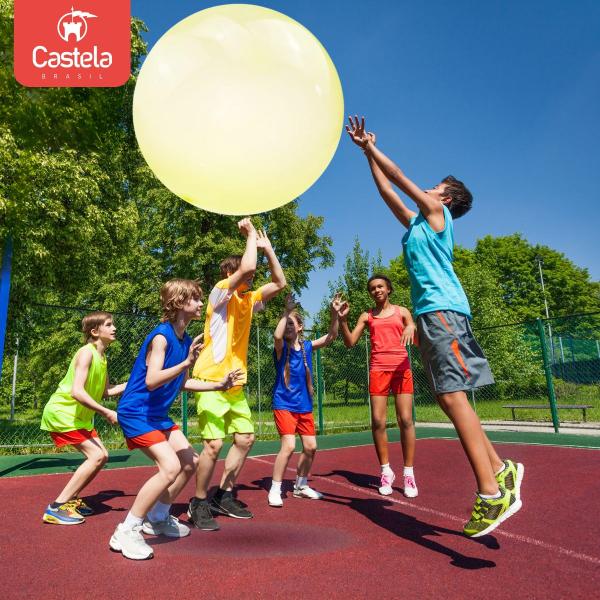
x: 295, y: 397
x: 141, y: 410
x: 428, y: 256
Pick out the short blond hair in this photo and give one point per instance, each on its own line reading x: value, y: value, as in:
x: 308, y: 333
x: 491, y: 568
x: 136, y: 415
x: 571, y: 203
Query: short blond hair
x: 93, y: 321
x: 175, y: 293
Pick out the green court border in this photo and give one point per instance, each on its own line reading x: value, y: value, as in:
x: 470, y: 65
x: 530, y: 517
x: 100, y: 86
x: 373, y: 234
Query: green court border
x: 40, y: 464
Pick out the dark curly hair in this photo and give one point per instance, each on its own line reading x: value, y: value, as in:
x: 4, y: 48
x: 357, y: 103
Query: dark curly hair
x: 461, y: 198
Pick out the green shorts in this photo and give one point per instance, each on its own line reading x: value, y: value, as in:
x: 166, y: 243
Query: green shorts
x: 223, y: 413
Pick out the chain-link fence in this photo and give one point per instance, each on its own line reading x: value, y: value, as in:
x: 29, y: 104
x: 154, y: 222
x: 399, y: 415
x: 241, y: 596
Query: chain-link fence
x: 545, y: 370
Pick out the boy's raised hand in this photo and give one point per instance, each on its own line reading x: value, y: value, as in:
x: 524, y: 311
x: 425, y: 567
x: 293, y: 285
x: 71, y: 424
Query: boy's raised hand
x: 262, y: 241
x: 232, y: 378
x: 336, y: 303
x: 357, y: 132
x: 246, y: 227
x: 290, y: 303
x: 195, y: 348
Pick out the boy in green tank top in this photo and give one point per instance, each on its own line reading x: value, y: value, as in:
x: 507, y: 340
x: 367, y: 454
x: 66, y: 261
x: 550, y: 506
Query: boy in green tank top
x: 69, y: 416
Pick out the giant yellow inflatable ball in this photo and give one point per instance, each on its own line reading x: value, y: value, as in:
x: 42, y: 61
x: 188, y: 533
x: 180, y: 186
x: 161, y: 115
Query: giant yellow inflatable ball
x: 238, y: 109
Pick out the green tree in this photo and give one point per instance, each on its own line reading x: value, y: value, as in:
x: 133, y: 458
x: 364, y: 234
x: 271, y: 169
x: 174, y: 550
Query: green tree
x: 514, y: 262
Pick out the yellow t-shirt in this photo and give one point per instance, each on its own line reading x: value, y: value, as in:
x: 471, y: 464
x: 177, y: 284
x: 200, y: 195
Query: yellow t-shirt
x: 226, y: 332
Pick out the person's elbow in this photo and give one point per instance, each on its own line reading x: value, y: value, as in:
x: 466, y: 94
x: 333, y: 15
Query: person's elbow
x: 281, y: 283
x: 151, y: 383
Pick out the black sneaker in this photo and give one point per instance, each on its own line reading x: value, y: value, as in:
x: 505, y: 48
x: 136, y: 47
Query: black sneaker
x: 226, y: 504
x: 201, y: 516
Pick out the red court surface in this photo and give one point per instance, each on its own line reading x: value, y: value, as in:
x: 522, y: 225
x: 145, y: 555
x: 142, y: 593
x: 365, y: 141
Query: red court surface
x: 352, y: 544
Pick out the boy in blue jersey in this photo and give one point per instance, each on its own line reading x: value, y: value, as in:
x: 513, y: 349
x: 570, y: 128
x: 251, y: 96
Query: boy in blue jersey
x: 452, y: 358
x: 159, y: 373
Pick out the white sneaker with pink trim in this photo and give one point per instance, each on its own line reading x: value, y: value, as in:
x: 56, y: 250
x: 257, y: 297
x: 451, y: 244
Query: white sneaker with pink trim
x: 386, y: 483
x: 410, y: 487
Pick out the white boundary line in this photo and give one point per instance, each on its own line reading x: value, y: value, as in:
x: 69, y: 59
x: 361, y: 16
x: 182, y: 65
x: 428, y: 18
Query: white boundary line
x: 513, y: 536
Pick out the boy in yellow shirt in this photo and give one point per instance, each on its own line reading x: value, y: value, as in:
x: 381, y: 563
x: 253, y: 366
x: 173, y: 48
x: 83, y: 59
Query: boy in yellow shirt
x: 231, y: 305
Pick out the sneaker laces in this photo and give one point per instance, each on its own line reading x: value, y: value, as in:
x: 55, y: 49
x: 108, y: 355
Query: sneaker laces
x: 409, y: 481
x: 386, y: 479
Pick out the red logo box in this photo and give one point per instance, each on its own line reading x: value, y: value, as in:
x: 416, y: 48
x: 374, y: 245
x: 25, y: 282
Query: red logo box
x: 72, y: 43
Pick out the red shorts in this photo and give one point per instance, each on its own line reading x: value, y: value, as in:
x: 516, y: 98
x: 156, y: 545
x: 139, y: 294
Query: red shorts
x: 381, y: 383
x: 149, y: 439
x: 290, y: 423
x: 65, y: 438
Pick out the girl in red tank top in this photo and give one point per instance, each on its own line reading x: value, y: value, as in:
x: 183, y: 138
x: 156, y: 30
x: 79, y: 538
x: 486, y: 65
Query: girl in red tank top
x: 391, y: 327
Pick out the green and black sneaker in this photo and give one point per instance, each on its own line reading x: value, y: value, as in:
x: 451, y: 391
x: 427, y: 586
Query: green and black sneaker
x: 488, y: 513
x: 511, y: 477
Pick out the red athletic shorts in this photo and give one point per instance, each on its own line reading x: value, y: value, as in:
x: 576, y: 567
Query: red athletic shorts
x: 64, y: 438
x: 290, y: 423
x: 149, y: 439
x: 381, y: 383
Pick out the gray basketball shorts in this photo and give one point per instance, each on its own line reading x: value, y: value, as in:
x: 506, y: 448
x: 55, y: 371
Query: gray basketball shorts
x: 452, y: 358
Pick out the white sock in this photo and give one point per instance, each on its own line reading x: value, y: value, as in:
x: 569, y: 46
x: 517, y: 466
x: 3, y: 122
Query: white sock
x: 410, y: 471
x: 132, y: 521
x: 500, y: 469
x: 276, y: 486
x: 386, y: 470
x: 301, y: 481
x: 491, y: 496
x: 159, y: 512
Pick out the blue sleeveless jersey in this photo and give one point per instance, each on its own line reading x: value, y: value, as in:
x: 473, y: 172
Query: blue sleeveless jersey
x: 294, y: 398
x: 428, y: 256
x: 141, y: 410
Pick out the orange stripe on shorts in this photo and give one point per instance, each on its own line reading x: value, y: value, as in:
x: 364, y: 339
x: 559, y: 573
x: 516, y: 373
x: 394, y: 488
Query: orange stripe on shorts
x: 459, y: 357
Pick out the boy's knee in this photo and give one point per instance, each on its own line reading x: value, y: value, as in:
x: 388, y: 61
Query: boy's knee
x: 171, y: 470
x: 244, y: 441
x: 310, y: 448
x: 288, y: 447
x: 99, y: 459
x: 212, y: 448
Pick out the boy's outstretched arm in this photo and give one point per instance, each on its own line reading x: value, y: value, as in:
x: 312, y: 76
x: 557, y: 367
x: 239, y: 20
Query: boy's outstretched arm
x: 386, y: 191
x: 248, y: 263
x: 431, y: 208
x: 278, y: 281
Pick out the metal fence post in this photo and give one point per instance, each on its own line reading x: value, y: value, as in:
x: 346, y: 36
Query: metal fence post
x: 414, y: 410
x: 548, y: 372
x: 14, y: 382
x: 369, y: 382
x: 184, y: 413
x: 320, y: 390
x: 259, y: 387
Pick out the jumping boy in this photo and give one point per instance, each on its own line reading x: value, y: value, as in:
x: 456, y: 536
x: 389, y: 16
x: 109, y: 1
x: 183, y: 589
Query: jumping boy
x: 452, y: 359
x: 231, y: 305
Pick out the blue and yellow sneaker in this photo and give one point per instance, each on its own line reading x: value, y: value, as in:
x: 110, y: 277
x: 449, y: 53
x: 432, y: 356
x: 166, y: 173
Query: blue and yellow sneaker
x: 81, y: 507
x: 65, y: 514
x: 511, y: 477
x: 488, y: 513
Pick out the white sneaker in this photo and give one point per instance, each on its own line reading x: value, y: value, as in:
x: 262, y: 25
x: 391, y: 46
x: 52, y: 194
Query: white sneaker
x: 130, y: 543
x: 410, y: 487
x: 385, y: 489
x: 171, y: 527
x: 275, y: 499
x: 307, y: 492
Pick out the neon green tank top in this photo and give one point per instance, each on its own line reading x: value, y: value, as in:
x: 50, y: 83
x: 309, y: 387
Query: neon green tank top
x: 64, y: 413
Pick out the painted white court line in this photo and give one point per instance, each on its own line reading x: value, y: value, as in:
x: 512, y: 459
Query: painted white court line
x: 513, y: 536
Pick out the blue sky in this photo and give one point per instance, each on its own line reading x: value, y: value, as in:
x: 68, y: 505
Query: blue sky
x: 504, y: 95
